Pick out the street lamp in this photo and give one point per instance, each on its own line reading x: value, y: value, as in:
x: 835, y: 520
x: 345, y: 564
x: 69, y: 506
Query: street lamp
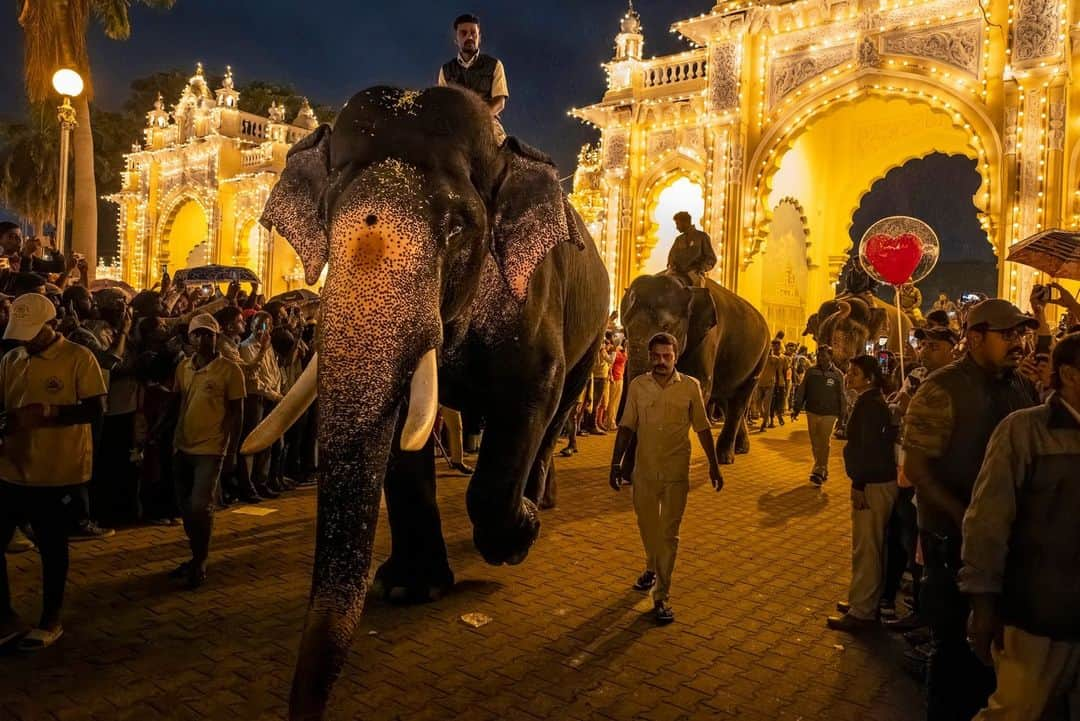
x: 69, y: 84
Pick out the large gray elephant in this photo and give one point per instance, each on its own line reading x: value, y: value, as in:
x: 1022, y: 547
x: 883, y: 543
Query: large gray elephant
x: 458, y: 273
x: 723, y: 343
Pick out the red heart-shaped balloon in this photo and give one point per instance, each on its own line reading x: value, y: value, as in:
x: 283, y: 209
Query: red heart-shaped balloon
x: 894, y: 257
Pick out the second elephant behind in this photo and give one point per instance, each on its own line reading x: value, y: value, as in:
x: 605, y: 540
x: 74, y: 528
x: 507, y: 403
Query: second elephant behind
x: 723, y: 343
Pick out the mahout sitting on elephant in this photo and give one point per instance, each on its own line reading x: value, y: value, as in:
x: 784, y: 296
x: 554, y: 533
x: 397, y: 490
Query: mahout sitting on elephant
x: 723, y: 343
x: 458, y: 273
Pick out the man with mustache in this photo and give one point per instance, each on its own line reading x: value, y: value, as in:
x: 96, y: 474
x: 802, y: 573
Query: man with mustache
x: 661, y: 408
x: 945, y: 433
x: 472, y: 70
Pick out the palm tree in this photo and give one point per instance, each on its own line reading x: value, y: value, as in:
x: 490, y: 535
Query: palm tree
x: 56, y: 37
x: 29, y: 159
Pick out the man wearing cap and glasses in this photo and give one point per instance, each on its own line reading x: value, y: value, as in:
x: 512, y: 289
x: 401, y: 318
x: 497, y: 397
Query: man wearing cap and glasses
x: 210, y: 394
x: 52, y: 391
x: 945, y: 433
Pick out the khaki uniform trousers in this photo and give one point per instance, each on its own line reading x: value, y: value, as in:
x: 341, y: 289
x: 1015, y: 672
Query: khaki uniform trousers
x: 1038, y: 679
x: 821, y: 430
x: 659, y: 506
x: 868, y: 549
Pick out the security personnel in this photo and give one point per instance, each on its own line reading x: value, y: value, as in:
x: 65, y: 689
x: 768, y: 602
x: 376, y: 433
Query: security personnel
x: 691, y: 254
x: 473, y: 70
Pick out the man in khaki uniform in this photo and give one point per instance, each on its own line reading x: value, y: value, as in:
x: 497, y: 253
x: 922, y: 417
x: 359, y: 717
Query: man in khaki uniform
x: 52, y: 393
x: 210, y: 392
x: 661, y: 408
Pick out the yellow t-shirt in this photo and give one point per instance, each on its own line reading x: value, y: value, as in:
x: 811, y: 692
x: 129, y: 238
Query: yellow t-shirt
x: 63, y: 374
x: 204, y: 398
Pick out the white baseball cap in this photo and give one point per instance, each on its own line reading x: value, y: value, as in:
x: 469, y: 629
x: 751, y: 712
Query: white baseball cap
x: 29, y: 313
x: 204, y: 321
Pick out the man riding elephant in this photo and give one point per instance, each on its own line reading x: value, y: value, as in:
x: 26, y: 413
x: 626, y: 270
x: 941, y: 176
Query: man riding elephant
x: 691, y: 255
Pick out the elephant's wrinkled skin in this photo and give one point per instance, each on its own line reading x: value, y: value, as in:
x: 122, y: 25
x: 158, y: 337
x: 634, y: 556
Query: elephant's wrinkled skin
x: 723, y: 343
x: 849, y: 321
x: 437, y: 240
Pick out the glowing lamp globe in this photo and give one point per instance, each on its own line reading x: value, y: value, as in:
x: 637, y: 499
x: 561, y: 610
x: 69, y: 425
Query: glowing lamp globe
x: 67, y: 82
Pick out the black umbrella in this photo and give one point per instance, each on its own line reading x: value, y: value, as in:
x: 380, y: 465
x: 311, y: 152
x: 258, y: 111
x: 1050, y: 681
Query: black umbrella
x: 300, y: 295
x: 215, y: 274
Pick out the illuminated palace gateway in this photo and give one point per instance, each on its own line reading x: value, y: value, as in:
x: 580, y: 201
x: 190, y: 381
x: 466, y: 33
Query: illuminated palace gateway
x: 193, y: 193
x: 774, y: 127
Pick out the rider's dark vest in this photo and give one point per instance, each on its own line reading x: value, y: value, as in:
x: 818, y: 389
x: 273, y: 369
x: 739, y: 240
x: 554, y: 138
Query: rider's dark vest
x: 478, y: 77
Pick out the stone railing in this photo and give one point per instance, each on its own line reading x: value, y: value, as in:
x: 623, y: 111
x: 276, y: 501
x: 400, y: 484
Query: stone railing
x: 254, y: 157
x: 672, y: 71
x: 253, y: 127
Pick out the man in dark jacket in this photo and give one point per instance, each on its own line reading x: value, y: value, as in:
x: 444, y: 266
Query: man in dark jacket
x: 691, y: 255
x: 945, y: 433
x: 821, y: 393
x: 1022, y: 552
x: 472, y: 70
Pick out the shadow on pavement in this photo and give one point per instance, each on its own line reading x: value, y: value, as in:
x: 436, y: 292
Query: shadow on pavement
x: 802, y: 501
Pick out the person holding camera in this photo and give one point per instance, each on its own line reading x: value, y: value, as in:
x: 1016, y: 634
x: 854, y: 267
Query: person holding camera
x: 52, y: 393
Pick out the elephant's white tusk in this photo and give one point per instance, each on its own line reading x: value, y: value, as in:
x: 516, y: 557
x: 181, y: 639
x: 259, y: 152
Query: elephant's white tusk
x: 286, y: 412
x: 423, y: 404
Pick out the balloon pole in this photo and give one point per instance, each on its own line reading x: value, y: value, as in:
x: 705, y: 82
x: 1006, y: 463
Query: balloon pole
x: 900, y: 331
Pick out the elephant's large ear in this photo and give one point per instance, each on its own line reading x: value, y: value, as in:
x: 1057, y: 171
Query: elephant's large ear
x: 704, y: 315
x: 531, y: 216
x: 295, y: 209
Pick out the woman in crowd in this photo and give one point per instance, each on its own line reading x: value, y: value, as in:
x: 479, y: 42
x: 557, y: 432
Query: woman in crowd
x: 870, y: 463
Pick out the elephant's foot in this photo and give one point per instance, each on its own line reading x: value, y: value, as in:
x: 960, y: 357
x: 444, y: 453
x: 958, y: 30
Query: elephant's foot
x: 405, y: 583
x: 509, y: 544
x: 742, y: 448
x: 725, y: 458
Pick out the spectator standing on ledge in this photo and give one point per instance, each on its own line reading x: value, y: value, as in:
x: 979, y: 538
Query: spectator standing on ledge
x: 210, y: 395
x: 821, y: 393
x: 661, y: 408
x: 52, y: 393
x: 472, y: 70
x: 1021, y: 554
x: 945, y: 434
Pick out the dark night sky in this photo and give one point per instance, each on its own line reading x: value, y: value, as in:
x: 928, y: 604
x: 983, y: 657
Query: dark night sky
x: 328, y: 49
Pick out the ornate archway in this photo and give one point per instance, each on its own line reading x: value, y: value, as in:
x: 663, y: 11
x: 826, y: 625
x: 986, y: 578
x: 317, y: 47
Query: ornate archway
x: 678, y: 184
x: 181, y: 205
x: 910, y: 120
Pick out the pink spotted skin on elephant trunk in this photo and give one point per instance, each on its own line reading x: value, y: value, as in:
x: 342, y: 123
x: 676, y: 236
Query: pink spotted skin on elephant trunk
x: 380, y: 316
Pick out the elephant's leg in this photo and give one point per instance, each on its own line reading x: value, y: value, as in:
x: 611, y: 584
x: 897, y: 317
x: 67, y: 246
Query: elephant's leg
x: 541, y: 488
x: 418, y: 569
x: 734, y: 437
x: 505, y: 522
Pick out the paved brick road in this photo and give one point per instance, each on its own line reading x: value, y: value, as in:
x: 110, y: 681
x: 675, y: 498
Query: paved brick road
x: 760, y: 566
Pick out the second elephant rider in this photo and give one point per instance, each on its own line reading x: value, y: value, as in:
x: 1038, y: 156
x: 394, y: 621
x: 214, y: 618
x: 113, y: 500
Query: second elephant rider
x: 472, y: 70
x: 691, y: 255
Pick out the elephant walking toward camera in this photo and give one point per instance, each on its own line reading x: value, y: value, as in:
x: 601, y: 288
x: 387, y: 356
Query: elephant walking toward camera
x: 723, y: 343
x: 458, y: 274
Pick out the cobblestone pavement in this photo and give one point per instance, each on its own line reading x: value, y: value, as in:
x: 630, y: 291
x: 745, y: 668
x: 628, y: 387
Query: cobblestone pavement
x: 760, y: 566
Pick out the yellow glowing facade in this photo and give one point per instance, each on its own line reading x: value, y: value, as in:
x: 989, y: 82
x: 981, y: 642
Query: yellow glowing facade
x: 194, y: 189
x: 782, y: 116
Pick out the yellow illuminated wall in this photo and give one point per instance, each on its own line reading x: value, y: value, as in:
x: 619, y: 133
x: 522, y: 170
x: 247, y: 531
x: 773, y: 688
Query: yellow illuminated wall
x: 189, y: 228
x: 833, y: 162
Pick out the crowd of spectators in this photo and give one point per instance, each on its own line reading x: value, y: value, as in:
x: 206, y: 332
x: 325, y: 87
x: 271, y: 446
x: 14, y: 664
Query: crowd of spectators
x: 134, y: 344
